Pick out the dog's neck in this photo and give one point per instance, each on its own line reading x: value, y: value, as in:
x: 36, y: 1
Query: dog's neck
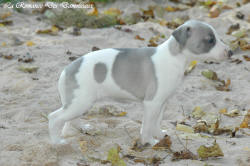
x: 171, y: 48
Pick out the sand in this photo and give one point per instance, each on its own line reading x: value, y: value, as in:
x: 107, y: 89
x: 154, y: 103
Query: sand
x: 26, y: 99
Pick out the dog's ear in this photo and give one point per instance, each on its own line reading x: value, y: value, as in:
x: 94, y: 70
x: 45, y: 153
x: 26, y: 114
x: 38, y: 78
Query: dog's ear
x: 181, y: 35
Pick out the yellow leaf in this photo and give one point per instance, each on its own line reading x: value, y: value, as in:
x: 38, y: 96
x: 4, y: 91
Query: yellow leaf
x: 122, y: 113
x: 113, y: 12
x: 170, y: 9
x: 4, y: 44
x: 83, y: 146
x: 114, y: 157
x: 246, y: 121
x: 30, y: 43
x: 197, y: 113
x: 1, y: 25
x: 223, y: 111
x: 184, y: 128
x: 214, y: 12
x: 54, y: 29
x: 191, y: 67
x: 94, y: 12
x: 5, y: 15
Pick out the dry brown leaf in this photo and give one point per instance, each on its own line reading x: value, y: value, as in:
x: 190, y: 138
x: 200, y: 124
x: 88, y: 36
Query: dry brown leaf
x: 246, y: 121
x: 139, y: 37
x: 163, y: 144
x: 247, y: 58
x: 224, y: 86
x: 245, y: 47
x: 226, y: 7
x: 184, y: 154
x: 232, y: 28
x: 214, y: 11
x: 5, y: 15
x: 9, y: 57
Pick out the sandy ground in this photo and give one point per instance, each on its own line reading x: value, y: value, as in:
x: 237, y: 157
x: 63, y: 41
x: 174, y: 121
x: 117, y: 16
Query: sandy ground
x: 25, y: 98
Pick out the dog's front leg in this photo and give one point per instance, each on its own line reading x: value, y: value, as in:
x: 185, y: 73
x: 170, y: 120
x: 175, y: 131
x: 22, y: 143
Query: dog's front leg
x: 151, y: 114
x: 157, y: 132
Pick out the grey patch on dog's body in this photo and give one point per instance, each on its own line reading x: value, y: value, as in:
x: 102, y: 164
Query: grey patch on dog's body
x: 196, y: 36
x: 70, y: 80
x: 100, y: 72
x: 133, y: 70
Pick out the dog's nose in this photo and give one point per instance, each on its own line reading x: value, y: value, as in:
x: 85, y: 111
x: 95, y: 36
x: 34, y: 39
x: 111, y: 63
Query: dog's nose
x: 230, y: 53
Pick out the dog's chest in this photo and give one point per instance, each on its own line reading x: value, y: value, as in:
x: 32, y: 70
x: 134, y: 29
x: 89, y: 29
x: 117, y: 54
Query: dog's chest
x: 169, y: 72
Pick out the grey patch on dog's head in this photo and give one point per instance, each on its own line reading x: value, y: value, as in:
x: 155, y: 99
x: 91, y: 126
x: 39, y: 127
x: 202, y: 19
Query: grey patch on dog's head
x: 70, y: 80
x: 133, y: 70
x: 195, y: 36
x: 100, y: 72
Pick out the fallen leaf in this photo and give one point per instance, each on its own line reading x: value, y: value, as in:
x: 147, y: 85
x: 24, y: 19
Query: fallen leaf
x: 114, y: 157
x: 240, y: 33
x: 163, y: 144
x: 201, y: 126
x: 224, y: 86
x: 232, y: 113
x: 184, y: 128
x: 245, y: 47
x: 209, y: 74
x: 94, y: 48
x: 233, y: 28
x: 5, y: 15
x: 208, y: 3
x: 139, y: 38
x: 30, y: 43
x: 112, y: 12
x: 7, y: 22
x: 122, y: 113
x: 246, y: 121
x: 174, y: 9
x: 205, y: 152
x: 52, y: 31
x: 94, y: 12
x: 214, y: 11
x: 31, y: 69
x: 240, y: 15
x: 26, y: 58
x: 197, y: 113
x: 184, y: 154
x: 9, y: 57
x: 4, y: 44
x: 147, y: 14
x: 237, y: 61
x: 226, y: 7
x: 83, y: 146
x: 191, y: 67
x: 223, y: 111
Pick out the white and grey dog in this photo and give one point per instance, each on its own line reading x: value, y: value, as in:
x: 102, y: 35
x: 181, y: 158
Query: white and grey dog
x: 146, y: 75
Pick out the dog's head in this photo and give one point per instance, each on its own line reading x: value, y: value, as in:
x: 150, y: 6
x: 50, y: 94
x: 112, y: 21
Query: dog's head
x: 200, y: 40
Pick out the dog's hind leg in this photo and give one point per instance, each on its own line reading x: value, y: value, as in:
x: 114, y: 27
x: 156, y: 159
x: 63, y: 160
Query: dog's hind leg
x: 58, y: 118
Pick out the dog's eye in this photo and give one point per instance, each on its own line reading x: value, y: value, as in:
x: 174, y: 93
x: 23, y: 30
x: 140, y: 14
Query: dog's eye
x: 211, y: 41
